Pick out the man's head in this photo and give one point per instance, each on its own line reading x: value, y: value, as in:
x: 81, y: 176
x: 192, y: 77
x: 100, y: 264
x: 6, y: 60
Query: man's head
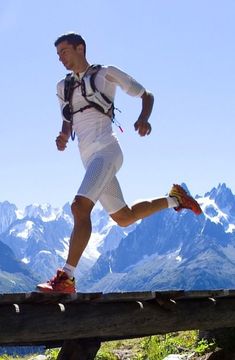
x: 72, y: 39
x: 71, y: 49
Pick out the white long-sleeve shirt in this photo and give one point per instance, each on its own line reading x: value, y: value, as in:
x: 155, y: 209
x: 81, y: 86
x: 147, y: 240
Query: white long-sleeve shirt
x: 93, y: 128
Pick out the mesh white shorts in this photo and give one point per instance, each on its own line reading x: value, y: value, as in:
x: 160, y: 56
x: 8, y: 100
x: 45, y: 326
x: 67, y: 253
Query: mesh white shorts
x: 100, y: 182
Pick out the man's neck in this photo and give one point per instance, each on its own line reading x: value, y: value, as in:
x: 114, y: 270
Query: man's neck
x: 80, y: 68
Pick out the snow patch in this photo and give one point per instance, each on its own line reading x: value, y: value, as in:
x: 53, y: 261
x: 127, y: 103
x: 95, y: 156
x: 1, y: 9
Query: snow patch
x: 231, y: 228
x: 91, y: 251
x: 217, y: 216
x: 64, y: 252
x: 212, y: 211
x: 25, y: 260
x: 22, y: 230
x: 47, y: 252
x: 178, y: 258
x: 25, y: 233
x: 19, y: 214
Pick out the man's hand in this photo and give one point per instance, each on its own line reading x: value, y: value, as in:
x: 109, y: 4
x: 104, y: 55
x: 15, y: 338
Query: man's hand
x: 143, y: 127
x: 61, y: 141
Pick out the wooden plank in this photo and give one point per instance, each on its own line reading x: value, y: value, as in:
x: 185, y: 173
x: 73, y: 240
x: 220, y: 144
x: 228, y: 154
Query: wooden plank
x: 207, y: 293
x: 127, y: 296
x: 195, y: 294
x: 37, y: 297
x: 54, y: 322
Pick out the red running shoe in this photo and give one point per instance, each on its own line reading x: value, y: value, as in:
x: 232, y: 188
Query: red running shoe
x: 60, y: 283
x: 185, y: 200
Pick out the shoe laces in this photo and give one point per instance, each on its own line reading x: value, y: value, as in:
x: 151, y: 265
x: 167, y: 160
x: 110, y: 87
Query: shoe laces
x: 56, y: 279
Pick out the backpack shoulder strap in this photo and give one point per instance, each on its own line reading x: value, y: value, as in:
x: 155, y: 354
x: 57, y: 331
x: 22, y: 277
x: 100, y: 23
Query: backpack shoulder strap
x: 89, y: 79
x: 93, y: 69
x: 68, y: 86
x: 68, y: 92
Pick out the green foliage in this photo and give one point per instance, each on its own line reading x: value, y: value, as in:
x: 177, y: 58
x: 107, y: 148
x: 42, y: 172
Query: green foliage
x: 52, y: 354
x: 203, y: 347
x: 158, y: 347
x: 151, y: 348
x: 147, y: 348
x: 104, y: 355
x: 108, y: 350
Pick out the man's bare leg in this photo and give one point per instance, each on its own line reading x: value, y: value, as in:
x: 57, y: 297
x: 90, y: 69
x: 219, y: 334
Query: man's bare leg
x: 64, y: 280
x: 178, y: 199
x: 81, y: 209
x: 128, y: 215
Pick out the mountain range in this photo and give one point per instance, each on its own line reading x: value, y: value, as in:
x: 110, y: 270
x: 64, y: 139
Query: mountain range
x: 167, y: 251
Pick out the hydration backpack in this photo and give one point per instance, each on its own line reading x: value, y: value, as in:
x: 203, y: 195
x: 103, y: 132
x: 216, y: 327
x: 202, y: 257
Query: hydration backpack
x: 93, y: 97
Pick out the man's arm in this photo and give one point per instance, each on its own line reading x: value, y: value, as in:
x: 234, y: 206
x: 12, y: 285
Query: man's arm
x: 63, y: 137
x: 133, y: 88
x: 142, y: 125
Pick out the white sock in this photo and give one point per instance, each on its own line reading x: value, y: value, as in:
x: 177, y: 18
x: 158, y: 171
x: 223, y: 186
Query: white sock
x: 172, y: 202
x: 69, y: 270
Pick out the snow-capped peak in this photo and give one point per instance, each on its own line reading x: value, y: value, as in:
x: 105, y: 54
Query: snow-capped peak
x: 215, y: 214
x: 22, y: 230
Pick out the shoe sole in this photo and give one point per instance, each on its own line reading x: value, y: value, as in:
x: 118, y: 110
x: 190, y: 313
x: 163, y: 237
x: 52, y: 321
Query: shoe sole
x: 51, y: 290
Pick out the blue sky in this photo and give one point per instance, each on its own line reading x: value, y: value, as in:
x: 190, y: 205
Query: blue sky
x: 181, y: 50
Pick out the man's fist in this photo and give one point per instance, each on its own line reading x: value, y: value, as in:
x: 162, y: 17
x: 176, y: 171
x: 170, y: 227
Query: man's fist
x: 61, y: 141
x: 143, y: 127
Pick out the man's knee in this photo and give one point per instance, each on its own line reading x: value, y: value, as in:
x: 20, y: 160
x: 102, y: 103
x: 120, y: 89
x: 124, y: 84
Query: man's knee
x: 123, y: 217
x: 81, y: 207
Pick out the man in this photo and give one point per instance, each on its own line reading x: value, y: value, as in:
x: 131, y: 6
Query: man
x: 90, y: 111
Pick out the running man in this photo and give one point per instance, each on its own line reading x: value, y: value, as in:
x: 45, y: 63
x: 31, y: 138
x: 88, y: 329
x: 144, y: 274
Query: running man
x: 88, y: 111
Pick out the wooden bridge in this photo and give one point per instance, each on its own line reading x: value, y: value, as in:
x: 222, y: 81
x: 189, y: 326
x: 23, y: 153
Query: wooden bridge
x: 80, y: 322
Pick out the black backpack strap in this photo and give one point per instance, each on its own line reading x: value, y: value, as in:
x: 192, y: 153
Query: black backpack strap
x: 69, y: 82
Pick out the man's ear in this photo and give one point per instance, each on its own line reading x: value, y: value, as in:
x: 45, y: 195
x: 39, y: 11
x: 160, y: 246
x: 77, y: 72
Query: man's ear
x: 80, y: 48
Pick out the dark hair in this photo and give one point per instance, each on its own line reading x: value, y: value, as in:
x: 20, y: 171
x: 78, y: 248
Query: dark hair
x: 73, y: 39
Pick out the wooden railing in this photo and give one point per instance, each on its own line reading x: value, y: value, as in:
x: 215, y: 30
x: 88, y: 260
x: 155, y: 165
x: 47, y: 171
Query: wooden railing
x: 80, y: 322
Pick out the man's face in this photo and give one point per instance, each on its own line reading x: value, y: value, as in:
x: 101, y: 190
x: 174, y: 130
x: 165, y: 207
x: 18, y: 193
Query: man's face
x: 68, y: 55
